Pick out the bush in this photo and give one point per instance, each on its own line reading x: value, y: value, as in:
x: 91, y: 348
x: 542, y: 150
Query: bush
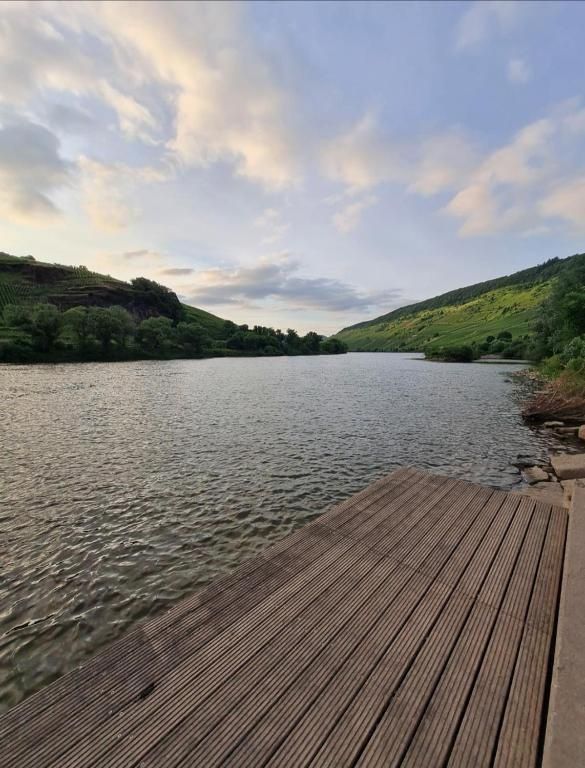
x: 333, y: 346
x: 461, y: 354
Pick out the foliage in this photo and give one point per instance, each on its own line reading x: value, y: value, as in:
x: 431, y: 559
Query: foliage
x: 526, y: 277
x: 43, y: 332
x: 46, y: 322
x: 78, y: 320
x: 155, y: 334
x: 193, y: 337
x: 158, y: 297
x: 563, y: 314
x: 511, y: 309
x: 461, y: 354
x: 467, y: 315
x: 333, y: 346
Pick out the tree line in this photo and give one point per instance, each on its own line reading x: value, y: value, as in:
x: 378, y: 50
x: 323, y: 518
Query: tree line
x: 44, y: 332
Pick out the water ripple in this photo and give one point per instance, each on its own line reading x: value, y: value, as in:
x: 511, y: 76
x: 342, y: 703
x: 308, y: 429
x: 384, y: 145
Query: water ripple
x: 125, y: 487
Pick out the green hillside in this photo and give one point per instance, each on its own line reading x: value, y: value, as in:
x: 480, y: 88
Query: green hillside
x: 463, y: 316
x: 25, y: 281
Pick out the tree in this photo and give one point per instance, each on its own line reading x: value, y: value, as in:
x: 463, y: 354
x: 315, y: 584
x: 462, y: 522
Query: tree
x: 17, y: 316
x: 155, y: 334
x: 505, y: 336
x: 193, y: 337
x: 158, y: 298
x: 46, y: 326
x: 333, y: 346
x: 78, y: 319
x: 292, y: 342
x: 105, y: 325
x: 311, y: 343
x: 124, y: 323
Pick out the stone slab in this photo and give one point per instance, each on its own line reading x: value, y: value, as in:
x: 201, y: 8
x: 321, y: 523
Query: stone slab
x: 564, y: 745
x: 534, y: 475
x: 548, y: 493
x: 569, y: 466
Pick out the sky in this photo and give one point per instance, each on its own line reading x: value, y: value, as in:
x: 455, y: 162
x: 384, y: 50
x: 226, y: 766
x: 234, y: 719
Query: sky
x: 305, y: 165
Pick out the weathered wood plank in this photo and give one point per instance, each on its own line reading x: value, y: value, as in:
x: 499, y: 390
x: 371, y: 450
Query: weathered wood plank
x: 410, y: 625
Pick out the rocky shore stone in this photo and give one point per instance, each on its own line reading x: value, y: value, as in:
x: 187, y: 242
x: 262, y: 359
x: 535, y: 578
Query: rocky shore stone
x: 534, y: 475
x: 548, y: 493
x: 553, y: 424
x: 569, y: 466
x: 568, y: 487
x: 581, y: 432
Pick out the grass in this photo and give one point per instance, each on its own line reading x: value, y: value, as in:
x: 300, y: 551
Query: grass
x: 511, y: 308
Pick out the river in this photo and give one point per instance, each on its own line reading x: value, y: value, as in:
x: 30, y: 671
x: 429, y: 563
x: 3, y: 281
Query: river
x: 125, y: 486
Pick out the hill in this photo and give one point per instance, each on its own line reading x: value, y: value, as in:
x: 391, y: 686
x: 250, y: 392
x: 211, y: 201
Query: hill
x: 508, y: 304
x: 53, y: 312
x: 26, y: 281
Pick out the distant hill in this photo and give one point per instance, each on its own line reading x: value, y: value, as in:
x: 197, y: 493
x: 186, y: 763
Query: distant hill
x: 24, y: 280
x: 462, y: 316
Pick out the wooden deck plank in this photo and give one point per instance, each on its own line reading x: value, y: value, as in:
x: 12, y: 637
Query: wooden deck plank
x: 476, y: 739
x: 294, y: 662
x: 276, y: 717
x: 393, y: 730
x: 156, y: 656
x: 519, y: 742
x: 222, y: 592
x: 309, y: 730
x: 409, y: 625
x: 435, y: 730
x: 192, y: 683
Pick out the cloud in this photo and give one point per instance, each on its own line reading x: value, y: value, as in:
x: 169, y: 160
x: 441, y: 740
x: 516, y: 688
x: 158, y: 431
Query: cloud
x: 278, y: 280
x: 185, y: 76
x: 567, y: 202
x: 501, y: 194
x: 271, y: 223
x: 442, y: 163
x: 69, y: 119
x: 144, y: 254
x: 227, y: 105
x: 362, y: 157
x: 109, y: 191
x: 31, y: 171
x: 105, y: 195
x: 518, y: 71
x: 348, y: 218
x: 484, y: 19
x: 177, y: 271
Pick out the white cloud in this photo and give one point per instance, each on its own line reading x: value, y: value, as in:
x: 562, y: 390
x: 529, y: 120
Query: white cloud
x: 484, y: 19
x: 193, y: 59
x: 443, y: 162
x: 109, y: 191
x: 566, y: 201
x: 227, y: 105
x: 527, y: 180
x: 31, y: 170
x: 362, y: 157
x: 518, y: 71
x: 348, y: 218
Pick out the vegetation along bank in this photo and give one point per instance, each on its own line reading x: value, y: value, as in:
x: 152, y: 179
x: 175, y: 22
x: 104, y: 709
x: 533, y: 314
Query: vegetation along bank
x: 56, y: 313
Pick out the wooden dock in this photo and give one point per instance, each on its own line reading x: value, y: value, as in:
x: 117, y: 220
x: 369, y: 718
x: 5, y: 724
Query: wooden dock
x: 412, y: 625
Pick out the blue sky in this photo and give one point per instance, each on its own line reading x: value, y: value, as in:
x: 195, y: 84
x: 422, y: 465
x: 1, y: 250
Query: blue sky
x: 303, y: 165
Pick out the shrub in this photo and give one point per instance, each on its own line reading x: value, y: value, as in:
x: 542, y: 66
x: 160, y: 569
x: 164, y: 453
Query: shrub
x: 460, y: 354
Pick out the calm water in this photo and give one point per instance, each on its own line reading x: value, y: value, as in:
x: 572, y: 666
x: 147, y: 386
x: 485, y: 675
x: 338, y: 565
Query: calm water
x: 125, y: 486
